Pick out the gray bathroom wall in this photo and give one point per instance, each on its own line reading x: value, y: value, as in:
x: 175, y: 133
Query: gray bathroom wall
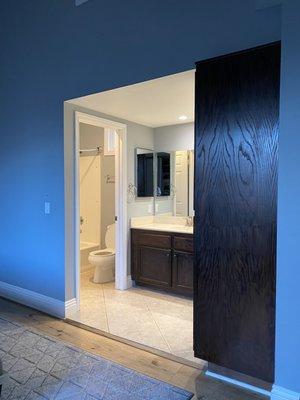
x: 174, y: 137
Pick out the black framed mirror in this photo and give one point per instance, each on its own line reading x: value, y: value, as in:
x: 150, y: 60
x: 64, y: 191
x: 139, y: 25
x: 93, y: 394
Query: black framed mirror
x: 144, y: 172
x: 163, y: 174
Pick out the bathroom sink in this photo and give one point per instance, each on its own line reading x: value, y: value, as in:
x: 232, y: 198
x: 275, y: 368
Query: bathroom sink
x: 168, y: 227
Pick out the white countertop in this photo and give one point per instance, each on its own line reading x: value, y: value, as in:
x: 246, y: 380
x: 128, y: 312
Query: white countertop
x: 166, y: 227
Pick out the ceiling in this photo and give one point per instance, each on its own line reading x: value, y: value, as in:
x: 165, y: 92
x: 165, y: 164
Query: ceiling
x: 159, y: 102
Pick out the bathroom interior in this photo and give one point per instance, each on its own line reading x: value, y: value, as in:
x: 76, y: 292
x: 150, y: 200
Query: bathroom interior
x: 156, y: 311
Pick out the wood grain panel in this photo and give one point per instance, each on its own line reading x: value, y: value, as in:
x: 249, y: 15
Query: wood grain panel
x: 236, y: 144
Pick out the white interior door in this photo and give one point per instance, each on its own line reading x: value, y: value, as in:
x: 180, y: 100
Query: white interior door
x: 181, y: 183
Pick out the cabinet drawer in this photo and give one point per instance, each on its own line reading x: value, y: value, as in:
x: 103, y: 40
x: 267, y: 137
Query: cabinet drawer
x: 183, y: 243
x: 141, y: 238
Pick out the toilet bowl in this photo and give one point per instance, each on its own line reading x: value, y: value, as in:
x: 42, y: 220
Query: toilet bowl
x: 104, y: 260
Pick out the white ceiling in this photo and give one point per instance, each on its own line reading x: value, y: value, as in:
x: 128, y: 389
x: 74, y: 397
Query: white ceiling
x: 154, y: 103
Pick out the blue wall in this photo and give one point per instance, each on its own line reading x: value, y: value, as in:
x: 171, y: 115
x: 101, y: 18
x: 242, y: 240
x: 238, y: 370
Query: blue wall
x: 288, y: 243
x: 52, y: 51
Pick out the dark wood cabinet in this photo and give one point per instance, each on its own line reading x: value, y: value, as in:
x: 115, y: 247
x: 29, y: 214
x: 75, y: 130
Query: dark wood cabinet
x: 154, y: 266
x: 182, y: 271
x: 163, y: 260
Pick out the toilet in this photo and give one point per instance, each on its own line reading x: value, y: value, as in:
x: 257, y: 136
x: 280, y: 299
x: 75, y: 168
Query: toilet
x: 104, y: 260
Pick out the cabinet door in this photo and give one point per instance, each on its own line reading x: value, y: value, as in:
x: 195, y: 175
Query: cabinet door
x: 154, y: 266
x: 182, y: 272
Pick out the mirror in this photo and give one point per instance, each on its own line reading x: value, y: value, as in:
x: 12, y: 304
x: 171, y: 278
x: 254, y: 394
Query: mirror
x: 175, y: 183
x: 168, y: 175
x: 144, y: 172
x: 163, y: 174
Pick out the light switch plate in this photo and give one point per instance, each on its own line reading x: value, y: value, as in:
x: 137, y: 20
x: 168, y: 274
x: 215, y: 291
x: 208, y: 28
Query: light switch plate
x: 47, y: 207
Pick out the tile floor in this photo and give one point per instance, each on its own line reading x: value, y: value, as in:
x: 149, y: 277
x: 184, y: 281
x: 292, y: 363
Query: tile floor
x: 152, y: 318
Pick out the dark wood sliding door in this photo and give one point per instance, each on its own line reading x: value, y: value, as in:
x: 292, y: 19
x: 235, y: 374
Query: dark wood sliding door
x: 236, y: 143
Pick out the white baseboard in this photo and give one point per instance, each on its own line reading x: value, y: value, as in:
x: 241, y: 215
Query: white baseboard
x: 32, y: 299
x: 280, y: 393
x: 71, y: 307
x: 238, y: 383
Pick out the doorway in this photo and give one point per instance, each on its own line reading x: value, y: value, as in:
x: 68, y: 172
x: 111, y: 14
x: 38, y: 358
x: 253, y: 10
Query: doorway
x: 114, y: 143
x: 149, y: 314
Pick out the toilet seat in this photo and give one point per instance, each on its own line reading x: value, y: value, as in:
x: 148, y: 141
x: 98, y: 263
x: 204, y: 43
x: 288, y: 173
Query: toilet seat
x: 104, y: 260
x: 102, y: 253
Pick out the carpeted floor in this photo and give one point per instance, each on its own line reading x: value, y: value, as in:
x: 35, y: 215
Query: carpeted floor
x: 40, y: 367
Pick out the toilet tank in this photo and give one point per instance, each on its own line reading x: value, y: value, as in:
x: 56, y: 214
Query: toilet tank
x: 110, y: 237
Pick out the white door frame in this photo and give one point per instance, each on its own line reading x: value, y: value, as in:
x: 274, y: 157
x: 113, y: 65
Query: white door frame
x: 121, y: 280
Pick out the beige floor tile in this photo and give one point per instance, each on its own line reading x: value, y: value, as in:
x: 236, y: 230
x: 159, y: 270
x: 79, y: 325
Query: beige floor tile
x: 176, y: 331
x: 169, y: 308
x: 149, y: 335
x: 155, y: 319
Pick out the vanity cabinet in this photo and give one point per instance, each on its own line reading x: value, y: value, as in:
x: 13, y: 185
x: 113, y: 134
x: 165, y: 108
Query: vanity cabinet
x: 162, y: 260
